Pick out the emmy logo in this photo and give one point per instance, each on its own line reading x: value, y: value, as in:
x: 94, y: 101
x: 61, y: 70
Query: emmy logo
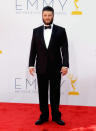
x: 72, y: 81
x: 77, y: 12
x: 0, y: 51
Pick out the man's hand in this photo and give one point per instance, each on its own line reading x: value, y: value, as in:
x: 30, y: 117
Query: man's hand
x: 64, y: 70
x: 32, y: 70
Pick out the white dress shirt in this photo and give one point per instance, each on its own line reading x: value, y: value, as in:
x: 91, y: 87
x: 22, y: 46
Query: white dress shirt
x: 47, y: 35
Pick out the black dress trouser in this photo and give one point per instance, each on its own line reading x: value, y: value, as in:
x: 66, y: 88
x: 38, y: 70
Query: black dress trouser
x: 43, y: 81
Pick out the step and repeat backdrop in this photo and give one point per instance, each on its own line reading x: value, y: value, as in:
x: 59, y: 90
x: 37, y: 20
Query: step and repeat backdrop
x: 17, y: 20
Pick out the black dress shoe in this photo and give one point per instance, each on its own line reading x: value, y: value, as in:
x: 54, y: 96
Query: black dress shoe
x: 40, y: 121
x: 60, y: 122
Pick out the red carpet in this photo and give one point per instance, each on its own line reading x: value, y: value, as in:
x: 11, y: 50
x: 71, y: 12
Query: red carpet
x: 21, y: 117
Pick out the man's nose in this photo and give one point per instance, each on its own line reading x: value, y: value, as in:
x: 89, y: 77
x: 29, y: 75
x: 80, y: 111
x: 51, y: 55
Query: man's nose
x: 47, y: 16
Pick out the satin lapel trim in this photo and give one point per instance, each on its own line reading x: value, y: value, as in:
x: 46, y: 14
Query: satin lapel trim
x: 52, y: 35
x: 42, y: 36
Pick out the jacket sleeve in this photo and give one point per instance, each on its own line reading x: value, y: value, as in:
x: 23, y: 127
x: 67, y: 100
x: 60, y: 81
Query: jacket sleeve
x: 64, y: 50
x: 32, y: 55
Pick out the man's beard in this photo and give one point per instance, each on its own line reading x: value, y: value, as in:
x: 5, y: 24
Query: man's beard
x: 49, y: 22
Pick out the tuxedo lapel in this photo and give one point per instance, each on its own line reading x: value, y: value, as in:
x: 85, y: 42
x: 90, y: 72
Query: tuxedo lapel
x: 52, y: 35
x: 42, y: 35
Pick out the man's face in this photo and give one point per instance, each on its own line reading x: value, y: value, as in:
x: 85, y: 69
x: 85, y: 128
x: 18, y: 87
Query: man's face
x: 47, y: 17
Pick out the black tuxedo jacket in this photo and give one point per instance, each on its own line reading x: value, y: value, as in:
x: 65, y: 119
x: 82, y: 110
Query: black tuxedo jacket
x: 49, y: 59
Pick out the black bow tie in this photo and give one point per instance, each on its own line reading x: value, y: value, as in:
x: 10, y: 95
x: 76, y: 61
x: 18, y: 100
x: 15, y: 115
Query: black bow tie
x: 48, y: 27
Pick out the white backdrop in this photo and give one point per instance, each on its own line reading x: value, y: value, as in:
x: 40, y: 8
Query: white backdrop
x: 17, y: 20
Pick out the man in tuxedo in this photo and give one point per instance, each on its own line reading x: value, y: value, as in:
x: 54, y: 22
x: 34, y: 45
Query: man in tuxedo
x: 49, y: 47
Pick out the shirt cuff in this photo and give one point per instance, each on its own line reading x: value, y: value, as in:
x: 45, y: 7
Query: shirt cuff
x: 31, y: 67
x: 64, y: 66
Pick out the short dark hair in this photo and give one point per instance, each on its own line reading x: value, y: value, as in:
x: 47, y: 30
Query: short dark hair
x: 48, y: 8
